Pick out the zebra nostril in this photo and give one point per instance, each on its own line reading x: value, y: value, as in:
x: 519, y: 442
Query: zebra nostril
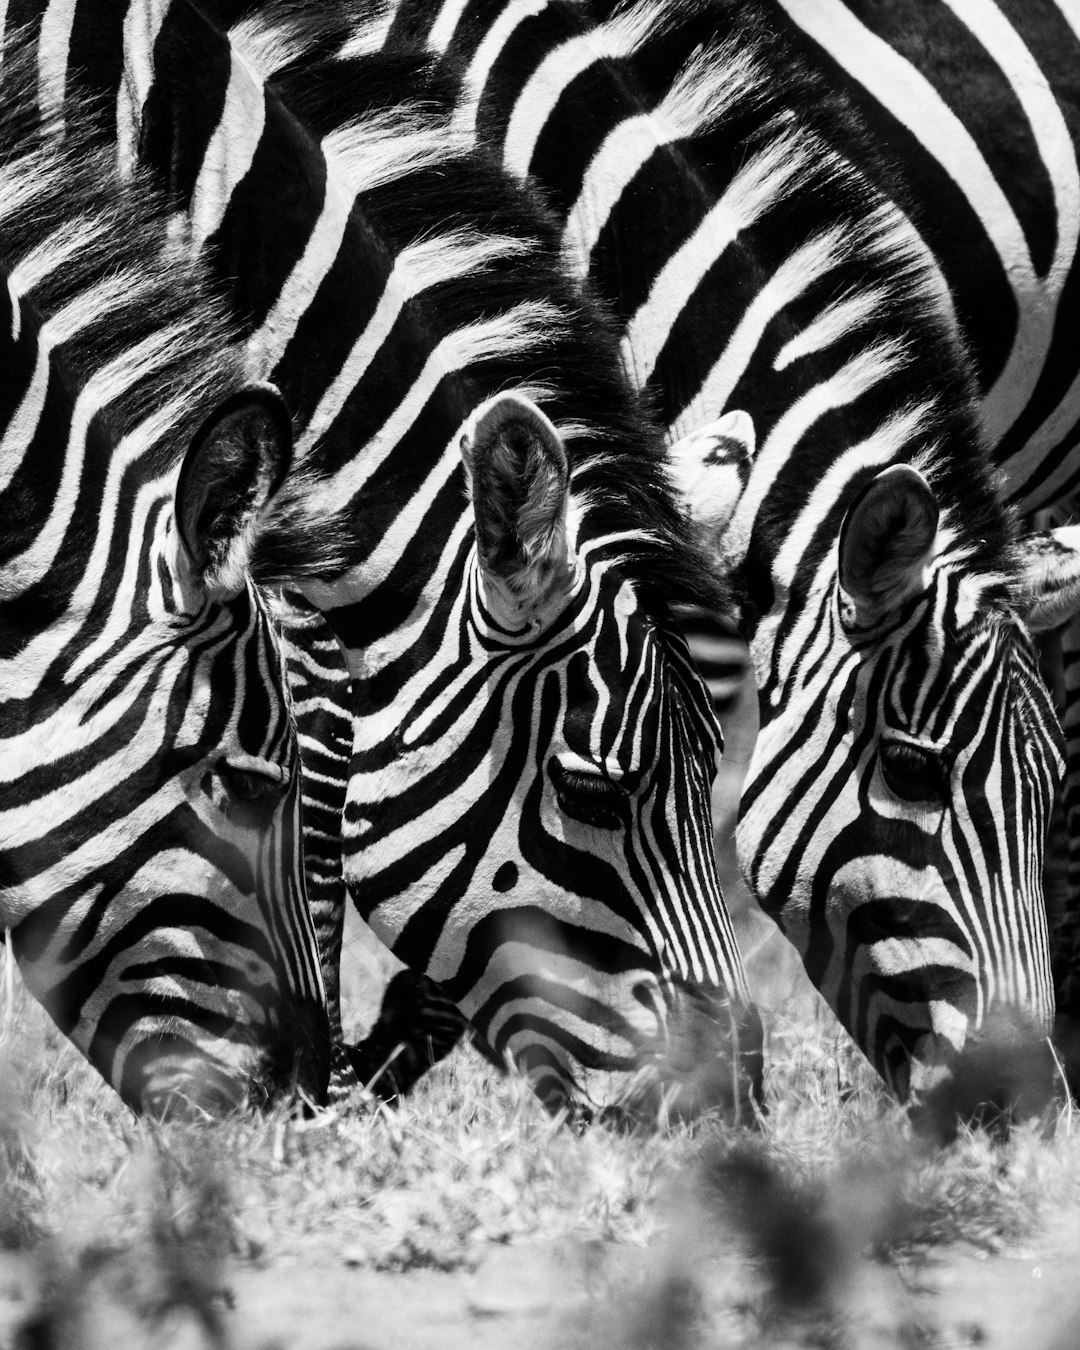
x: 505, y: 879
x: 647, y: 993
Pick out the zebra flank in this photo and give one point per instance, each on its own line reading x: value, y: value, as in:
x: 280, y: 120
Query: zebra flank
x: 527, y: 815
x: 752, y: 239
x: 150, y: 867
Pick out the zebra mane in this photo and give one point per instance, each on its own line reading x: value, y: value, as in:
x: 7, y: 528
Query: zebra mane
x: 719, y: 79
x: 478, y: 260
x: 128, y: 327
x: 887, y: 296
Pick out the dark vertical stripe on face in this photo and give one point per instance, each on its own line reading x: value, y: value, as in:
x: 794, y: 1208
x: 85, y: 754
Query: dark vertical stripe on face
x: 180, y: 116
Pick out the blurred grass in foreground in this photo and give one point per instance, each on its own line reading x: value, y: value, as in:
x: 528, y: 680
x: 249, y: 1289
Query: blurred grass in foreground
x: 133, y: 1223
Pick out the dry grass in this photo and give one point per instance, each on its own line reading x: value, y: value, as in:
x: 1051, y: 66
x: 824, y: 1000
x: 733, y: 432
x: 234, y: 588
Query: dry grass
x: 771, y: 1233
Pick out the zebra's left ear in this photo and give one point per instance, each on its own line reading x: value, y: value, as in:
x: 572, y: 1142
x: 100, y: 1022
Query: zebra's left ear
x: 711, y: 467
x: 519, y: 484
x: 1049, y: 587
x: 887, y: 544
x: 234, y: 465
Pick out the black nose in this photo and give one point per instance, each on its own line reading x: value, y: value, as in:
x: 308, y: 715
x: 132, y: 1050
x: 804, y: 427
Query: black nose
x: 1005, y: 1075
x: 710, y: 1061
x: 715, y: 1057
x: 203, y: 1091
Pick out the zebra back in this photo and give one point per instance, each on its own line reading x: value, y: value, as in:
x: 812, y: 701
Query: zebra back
x: 981, y: 109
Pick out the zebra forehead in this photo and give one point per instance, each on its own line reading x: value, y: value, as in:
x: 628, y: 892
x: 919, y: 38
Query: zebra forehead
x: 991, y: 661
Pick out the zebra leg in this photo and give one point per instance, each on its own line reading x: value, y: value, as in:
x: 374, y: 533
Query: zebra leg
x: 1051, y: 566
x: 319, y: 687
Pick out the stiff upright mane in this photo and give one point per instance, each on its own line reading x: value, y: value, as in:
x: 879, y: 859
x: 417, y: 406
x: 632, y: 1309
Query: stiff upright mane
x: 822, y: 266
x: 475, y: 300
x: 130, y: 327
x: 812, y: 180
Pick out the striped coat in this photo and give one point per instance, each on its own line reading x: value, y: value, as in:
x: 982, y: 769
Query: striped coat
x: 150, y: 867
x: 720, y: 193
x: 528, y: 804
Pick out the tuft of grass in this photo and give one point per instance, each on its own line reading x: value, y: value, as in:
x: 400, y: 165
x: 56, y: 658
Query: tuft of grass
x: 21, y: 1199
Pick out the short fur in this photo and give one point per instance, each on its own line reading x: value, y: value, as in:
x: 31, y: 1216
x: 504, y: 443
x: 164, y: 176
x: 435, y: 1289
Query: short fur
x: 60, y: 198
x: 618, y: 470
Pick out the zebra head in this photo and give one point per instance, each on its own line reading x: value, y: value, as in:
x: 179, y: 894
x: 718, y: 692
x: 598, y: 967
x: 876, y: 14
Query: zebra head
x: 151, y: 856
x: 895, y: 813
x: 150, y: 873
x: 528, y: 814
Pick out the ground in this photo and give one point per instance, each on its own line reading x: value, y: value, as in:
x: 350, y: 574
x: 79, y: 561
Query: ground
x: 467, y: 1219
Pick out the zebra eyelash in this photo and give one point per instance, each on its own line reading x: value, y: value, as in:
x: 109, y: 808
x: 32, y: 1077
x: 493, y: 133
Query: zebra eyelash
x: 589, y: 798
x: 914, y: 774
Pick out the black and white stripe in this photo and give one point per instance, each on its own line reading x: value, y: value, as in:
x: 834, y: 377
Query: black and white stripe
x: 730, y: 204
x: 980, y: 105
x: 528, y: 810
x: 150, y: 866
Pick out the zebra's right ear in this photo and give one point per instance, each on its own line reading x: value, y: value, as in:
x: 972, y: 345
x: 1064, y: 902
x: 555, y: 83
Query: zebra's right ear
x: 1049, y: 587
x: 237, y: 460
x: 711, y: 467
x: 519, y: 482
x: 887, y: 544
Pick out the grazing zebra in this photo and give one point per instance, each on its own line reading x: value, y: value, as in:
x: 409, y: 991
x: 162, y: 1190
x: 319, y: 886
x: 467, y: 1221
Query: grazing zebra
x: 150, y: 873
x: 980, y: 104
x: 528, y: 806
x: 418, y: 1023
x: 716, y: 190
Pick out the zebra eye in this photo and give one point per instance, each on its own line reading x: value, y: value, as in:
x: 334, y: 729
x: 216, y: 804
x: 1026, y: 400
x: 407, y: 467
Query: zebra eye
x: 588, y: 797
x: 912, y: 773
x: 250, y: 788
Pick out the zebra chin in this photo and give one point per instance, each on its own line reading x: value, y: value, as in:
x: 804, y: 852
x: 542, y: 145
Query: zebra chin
x: 704, y: 1056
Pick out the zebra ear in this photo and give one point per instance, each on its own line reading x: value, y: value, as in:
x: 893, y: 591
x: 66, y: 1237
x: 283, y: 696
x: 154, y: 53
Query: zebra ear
x: 1049, y: 588
x: 519, y: 485
x: 887, y: 544
x: 234, y: 465
x: 711, y: 467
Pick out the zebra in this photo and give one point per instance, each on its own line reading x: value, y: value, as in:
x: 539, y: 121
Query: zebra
x: 151, y: 882
x: 528, y: 806
x: 715, y: 189
x: 980, y: 105
x: 418, y: 1023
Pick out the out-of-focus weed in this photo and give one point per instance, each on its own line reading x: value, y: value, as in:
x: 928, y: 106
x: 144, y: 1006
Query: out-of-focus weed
x: 788, y: 1233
